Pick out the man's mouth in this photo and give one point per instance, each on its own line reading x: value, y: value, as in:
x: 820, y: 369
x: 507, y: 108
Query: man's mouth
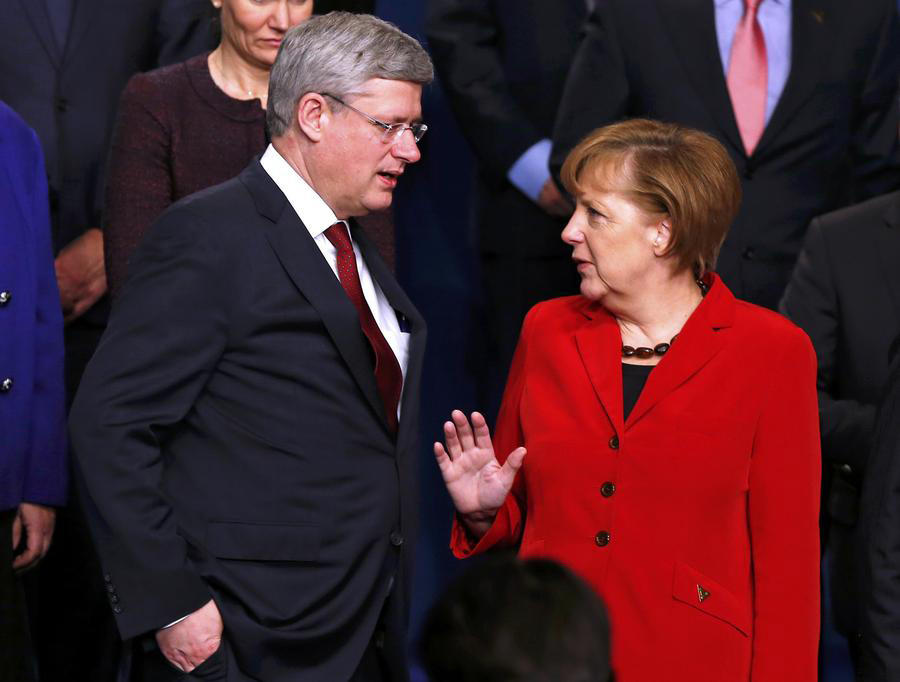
x: 390, y: 177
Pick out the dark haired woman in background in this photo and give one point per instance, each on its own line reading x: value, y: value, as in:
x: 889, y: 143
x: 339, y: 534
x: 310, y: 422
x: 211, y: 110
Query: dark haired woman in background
x: 671, y: 430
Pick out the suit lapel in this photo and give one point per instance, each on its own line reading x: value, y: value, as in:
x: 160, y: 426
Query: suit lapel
x: 82, y: 17
x: 698, y: 342
x: 693, y: 32
x: 36, y: 11
x: 887, y: 242
x: 310, y: 273
x: 599, y: 345
x: 399, y: 302
x: 810, y: 29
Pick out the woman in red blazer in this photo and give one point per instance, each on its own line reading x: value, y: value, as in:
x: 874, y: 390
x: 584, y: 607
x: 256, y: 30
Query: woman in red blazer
x: 671, y: 430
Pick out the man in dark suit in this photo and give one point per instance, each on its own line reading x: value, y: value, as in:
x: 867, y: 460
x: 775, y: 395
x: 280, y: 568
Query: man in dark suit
x: 879, y: 540
x: 32, y: 397
x: 63, y: 64
x: 814, y: 128
x: 845, y: 294
x: 241, y: 432
x: 503, y: 64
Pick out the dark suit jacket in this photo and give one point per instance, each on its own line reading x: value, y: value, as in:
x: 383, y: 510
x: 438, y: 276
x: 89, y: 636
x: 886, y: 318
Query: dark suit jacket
x: 831, y: 139
x: 715, y: 484
x: 233, y: 443
x: 845, y: 293
x: 69, y: 96
x: 879, y: 534
x: 503, y: 64
x: 32, y: 403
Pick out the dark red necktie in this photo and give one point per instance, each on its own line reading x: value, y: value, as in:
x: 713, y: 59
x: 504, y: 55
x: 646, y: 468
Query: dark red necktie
x: 388, y: 375
x: 747, y: 76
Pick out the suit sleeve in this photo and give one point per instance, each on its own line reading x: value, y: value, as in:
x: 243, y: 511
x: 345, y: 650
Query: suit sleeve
x: 876, y: 145
x: 783, y: 508
x: 184, y: 29
x: 811, y: 301
x: 507, y: 527
x: 879, y: 535
x: 46, y: 472
x: 597, y: 88
x: 139, y: 184
x: 164, y: 339
x: 464, y: 39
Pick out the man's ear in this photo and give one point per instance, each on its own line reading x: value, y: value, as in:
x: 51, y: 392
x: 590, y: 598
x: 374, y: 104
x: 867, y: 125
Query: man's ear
x: 313, y: 115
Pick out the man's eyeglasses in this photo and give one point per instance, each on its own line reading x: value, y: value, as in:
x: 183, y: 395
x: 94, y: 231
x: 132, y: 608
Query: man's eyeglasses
x: 392, y: 131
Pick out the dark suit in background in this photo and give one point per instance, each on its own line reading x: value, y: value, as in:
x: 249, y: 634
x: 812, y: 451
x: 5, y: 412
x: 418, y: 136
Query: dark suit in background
x: 879, y: 536
x: 845, y: 294
x: 503, y: 64
x: 831, y: 140
x: 67, y: 87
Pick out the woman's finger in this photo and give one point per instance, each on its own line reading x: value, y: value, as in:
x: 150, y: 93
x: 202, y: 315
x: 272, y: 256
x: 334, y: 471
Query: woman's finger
x: 451, y: 438
x: 463, y: 430
x: 482, y: 432
x: 511, y: 466
x: 443, y: 459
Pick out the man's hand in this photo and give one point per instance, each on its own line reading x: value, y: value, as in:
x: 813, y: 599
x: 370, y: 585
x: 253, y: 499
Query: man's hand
x: 191, y: 641
x: 477, y: 482
x: 80, y: 274
x: 36, y: 522
x: 552, y: 201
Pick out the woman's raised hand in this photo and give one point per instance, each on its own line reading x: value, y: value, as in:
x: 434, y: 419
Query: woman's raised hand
x: 477, y: 482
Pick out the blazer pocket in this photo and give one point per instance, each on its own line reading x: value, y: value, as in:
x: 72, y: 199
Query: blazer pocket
x: 695, y: 589
x: 262, y: 541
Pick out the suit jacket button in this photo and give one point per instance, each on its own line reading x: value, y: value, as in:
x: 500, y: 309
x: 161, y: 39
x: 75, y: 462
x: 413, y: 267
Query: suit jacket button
x: 117, y: 609
x: 5, y: 297
x: 846, y: 469
x: 6, y: 385
x: 614, y: 443
x: 602, y: 538
x: 608, y: 489
x: 107, y: 578
x: 114, y: 599
x: 396, y: 538
x: 749, y: 253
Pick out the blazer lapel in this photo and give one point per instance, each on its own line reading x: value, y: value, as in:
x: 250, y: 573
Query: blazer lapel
x: 36, y: 11
x: 82, y: 17
x: 399, y: 302
x: 810, y: 29
x: 304, y: 264
x: 693, y: 32
x: 887, y: 242
x: 699, y: 342
x: 599, y: 345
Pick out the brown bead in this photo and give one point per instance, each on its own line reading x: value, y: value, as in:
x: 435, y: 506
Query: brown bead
x: 627, y: 351
x: 661, y: 348
x: 643, y: 352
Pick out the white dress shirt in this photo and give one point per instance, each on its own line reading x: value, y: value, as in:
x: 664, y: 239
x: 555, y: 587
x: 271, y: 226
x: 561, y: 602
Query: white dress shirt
x: 318, y: 217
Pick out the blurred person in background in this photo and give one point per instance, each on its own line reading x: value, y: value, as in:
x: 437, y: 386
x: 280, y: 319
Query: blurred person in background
x: 845, y: 293
x: 192, y: 125
x: 517, y: 621
x: 63, y: 65
x: 503, y: 65
x: 671, y: 430
x: 803, y: 94
x: 32, y: 395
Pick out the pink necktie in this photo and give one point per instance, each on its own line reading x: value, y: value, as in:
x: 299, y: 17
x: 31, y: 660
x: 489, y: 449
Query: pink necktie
x: 388, y: 375
x: 747, y: 75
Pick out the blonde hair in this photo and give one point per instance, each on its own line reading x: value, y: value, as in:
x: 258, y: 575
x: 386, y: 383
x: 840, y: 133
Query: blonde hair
x: 665, y: 169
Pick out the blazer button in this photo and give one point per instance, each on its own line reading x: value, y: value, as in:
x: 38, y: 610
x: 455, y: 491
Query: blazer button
x: 602, y: 538
x: 5, y: 297
x: 6, y: 385
x: 614, y: 443
x: 396, y: 538
x: 608, y: 489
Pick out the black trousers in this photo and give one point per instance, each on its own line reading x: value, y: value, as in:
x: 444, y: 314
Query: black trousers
x: 13, y: 631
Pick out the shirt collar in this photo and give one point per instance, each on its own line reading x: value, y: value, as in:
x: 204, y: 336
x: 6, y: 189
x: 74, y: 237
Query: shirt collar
x: 309, y: 206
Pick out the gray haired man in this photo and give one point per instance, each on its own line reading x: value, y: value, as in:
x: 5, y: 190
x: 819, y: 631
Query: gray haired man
x: 246, y: 430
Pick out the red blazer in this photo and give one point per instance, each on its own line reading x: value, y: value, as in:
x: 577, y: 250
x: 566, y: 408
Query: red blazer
x: 697, y: 518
